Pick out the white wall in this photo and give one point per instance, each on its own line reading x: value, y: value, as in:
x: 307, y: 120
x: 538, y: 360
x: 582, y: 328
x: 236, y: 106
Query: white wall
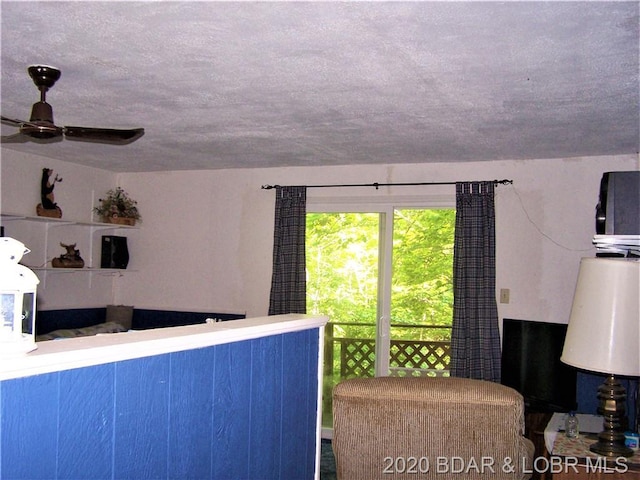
x: 80, y: 187
x: 206, y: 239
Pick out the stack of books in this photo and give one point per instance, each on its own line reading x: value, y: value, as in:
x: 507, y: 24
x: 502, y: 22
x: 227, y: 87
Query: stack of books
x: 617, y: 245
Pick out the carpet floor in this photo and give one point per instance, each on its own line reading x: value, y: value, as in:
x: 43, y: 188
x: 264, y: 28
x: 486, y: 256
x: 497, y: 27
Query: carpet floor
x: 327, y: 461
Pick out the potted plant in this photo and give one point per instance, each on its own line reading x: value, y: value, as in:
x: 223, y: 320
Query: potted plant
x: 118, y: 207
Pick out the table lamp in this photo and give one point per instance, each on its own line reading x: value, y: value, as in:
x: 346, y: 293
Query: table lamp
x: 604, y: 336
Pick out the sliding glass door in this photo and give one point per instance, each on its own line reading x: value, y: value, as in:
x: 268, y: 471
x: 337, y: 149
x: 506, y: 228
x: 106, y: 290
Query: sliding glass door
x: 384, y: 280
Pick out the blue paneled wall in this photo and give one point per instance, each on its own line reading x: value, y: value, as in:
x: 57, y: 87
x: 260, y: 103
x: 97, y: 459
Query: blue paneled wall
x: 244, y: 410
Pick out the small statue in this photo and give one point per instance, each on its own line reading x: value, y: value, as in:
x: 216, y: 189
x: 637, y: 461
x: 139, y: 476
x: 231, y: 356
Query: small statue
x: 71, y: 259
x: 48, y: 206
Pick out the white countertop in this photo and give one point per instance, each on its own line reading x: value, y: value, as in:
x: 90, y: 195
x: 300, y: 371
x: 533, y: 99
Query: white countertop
x: 58, y: 355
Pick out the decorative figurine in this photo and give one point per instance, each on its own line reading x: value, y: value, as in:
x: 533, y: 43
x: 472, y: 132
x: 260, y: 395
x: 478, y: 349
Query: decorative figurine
x: 48, y: 207
x: 71, y: 259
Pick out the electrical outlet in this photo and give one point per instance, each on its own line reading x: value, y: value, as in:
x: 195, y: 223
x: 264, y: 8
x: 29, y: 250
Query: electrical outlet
x: 504, y: 295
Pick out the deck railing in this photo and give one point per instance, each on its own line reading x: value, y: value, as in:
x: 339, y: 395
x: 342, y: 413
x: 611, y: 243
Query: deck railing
x: 357, y: 355
x: 407, y: 357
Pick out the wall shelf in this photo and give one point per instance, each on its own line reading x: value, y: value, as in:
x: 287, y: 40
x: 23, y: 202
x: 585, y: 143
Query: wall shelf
x: 37, y: 234
x: 59, y: 221
x: 105, y: 271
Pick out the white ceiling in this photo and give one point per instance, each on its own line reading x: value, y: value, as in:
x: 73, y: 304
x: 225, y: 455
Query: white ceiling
x: 265, y: 84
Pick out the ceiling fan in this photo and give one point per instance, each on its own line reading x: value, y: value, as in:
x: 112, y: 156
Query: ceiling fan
x: 41, y: 129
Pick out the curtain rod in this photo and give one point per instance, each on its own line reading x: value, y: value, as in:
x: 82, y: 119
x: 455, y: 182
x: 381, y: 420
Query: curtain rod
x: 378, y: 185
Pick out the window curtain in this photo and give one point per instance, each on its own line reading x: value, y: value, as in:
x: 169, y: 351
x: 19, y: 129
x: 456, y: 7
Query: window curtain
x: 288, y: 280
x: 475, y: 337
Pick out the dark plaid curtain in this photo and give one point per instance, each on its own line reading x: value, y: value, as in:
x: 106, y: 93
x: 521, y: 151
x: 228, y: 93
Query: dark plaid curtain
x: 475, y: 338
x: 288, y: 281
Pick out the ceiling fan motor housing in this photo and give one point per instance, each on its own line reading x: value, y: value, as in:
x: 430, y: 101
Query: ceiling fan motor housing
x: 41, y: 112
x: 41, y: 125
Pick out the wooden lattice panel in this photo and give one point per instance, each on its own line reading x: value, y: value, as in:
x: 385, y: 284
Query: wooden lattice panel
x: 424, y: 355
x: 357, y: 356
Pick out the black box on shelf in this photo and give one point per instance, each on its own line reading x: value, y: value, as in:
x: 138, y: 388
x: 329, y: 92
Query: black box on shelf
x: 115, y: 253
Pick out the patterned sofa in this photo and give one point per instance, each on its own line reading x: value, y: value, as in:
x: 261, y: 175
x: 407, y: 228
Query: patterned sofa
x: 76, y: 322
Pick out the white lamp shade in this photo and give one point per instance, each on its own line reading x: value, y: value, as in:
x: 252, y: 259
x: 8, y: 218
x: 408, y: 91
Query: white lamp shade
x: 604, y: 328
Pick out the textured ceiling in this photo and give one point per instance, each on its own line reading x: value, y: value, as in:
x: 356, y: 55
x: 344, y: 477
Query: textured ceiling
x: 243, y: 84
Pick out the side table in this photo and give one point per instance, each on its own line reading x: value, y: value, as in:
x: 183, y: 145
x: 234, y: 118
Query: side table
x: 571, y: 458
x: 535, y: 426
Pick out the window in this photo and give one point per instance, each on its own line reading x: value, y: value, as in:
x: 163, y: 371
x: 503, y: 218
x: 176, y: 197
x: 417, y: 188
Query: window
x: 384, y: 278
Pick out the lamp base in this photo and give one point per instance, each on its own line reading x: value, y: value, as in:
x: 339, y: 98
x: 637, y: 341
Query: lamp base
x: 612, y: 397
x: 611, y: 449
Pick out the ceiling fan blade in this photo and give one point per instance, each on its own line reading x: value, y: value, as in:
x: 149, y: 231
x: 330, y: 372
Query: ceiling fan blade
x: 14, y: 138
x: 38, y: 130
x: 26, y: 138
x: 12, y: 121
x: 103, y: 135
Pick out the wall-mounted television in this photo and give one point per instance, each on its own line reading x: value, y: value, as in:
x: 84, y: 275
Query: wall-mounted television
x: 531, y: 365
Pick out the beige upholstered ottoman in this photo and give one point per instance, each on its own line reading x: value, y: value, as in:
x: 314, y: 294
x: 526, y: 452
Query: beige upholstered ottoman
x: 429, y: 427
